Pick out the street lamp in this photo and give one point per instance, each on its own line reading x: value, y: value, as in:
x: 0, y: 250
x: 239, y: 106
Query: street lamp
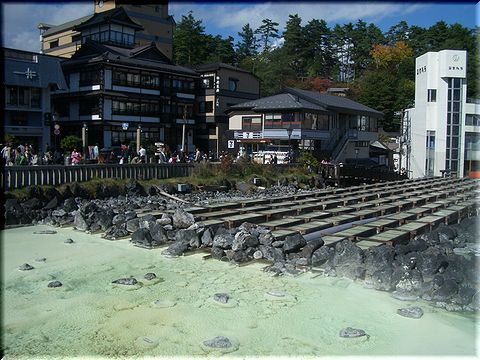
x: 289, y: 133
x: 139, y: 135
x: 183, y: 127
x: 84, y: 139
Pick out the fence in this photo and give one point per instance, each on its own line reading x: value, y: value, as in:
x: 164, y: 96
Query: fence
x: 14, y: 177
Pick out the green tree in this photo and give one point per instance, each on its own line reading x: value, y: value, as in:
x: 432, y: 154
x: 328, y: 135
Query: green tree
x: 294, y: 45
x: 217, y: 49
x: 247, y: 46
x: 188, y: 42
x: 398, y: 32
x: 267, y: 31
x: 320, y: 58
x: 71, y: 142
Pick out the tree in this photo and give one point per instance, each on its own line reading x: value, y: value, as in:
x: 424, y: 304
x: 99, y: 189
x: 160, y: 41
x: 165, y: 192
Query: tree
x: 390, y: 57
x: 71, y: 142
x: 247, y: 46
x: 267, y: 32
x: 294, y: 44
x: 188, y: 41
x: 398, y: 32
x: 217, y: 49
x: 320, y: 58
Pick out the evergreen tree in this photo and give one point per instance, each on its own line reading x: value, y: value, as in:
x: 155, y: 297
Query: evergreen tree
x: 398, y: 32
x: 267, y: 31
x: 247, y: 46
x: 188, y: 41
x: 294, y: 45
x: 320, y: 58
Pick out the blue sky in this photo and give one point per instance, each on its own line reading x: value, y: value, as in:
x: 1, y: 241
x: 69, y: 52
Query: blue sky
x: 20, y: 20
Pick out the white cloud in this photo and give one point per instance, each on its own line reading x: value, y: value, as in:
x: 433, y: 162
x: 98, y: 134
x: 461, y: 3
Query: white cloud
x: 20, y: 20
x: 234, y: 16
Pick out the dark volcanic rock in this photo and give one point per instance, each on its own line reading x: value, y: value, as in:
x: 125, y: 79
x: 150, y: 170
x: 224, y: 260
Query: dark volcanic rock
x: 207, y: 238
x: 104, y: 219
x: 217, y: 253
x: 383, y: 279
x: 70, y: 205
x: 32, y: 204
x: 150, y: 276
x: 221, y: 298
x: 182, y: 219
x: 116, y: 232
x: 118, y: 219
x: 133, y: 225
x: 186, y: 236
x: 142, y: 236
x: 176, y: 249
x: 49, y: 232
x: 310, y: 248
x: 26, y: 267
x: 322, y: 255
x: 54, y: 284
x: 293, y: 243
x: 159, y: 234
x: 125, y: 281
x: 52, y: 204
x: 220, y: 342
x: 79, y: 222
x: 59, y: 213
x: 348, y: 260
x: 271, y: 253
x: 223, y: 240
x: 243, y: 240
x: 351, y: 333
x: 414, y: 312
x: 266, y: 238
x: 445, y: 292
x: 69, y: 241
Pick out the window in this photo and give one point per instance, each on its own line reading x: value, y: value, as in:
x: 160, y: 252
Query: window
x: 362, y: 144
x: 430, y: 139
x: 251, y: 123
x: 232, y: 84
x: 472, y: 120
x: 322, y: 123
x: 432, y: 95
x: 208, y: 82
x: 76, y: 38
x: 20, y: 96
x: 205, y: 107
x: 53, y: 44
x: 89, y: 106
x: 91, y: 77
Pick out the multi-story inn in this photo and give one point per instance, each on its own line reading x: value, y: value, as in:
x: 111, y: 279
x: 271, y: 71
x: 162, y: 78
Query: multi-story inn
x: 442, y: 132
x: 115, y: 88
x: 155, y: 26
x: 334, y: 127
x: 29, y: 79
x: 221, y: 87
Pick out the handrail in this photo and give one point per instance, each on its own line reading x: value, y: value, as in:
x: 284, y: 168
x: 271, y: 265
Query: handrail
x: 14, y: 177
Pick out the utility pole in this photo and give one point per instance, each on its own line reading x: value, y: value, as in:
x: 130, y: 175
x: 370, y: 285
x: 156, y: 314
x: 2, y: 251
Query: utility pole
x: 183, y: 126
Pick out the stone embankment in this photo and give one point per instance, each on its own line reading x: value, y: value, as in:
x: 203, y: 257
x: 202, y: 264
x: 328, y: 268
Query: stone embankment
x: 440, y: 266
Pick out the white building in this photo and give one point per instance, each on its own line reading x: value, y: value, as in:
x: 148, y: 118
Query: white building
x: 442, y: 131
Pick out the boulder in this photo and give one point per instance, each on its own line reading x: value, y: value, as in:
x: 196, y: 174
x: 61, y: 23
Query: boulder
x: 221, y: 298
x: 159, y: 234
x: 445, y: 292
x: 464, y: 295
x: 348, y: 260
x: 352, y: 333
x: 322, y: 255
x: 182, y: 219
x: 217, y: 253
x: 133, y: 225
x: 293, y: 243
x: 187, y: 236
x: 382, y: 279
x: 223, y: 240
x: 413, y: 312
x: 52, y: 204
x: 105, y: 219
x: 59, y: 213
x: 266, y: 238
x: 239, y: 256
x: 219, y: 342
x: 407, y: 281
x: 310, y: 248
x: 129, y: 215
x: 378, y: 257
x: 70, y: 205
x: 207, y: 238
x: 26, y: 267
x: 272, y: 254
x: 54, y: 284
x: 116, y: 232
x: 125, y: 281
x: 430, y: 261
x: 32, y: 204
x: 165, y: 220
x: 142, y: 236
x: 243, y: 240
x: 79, y: 222
x: 88, y: 207
x: 150, y: 276
x: 176, y: 249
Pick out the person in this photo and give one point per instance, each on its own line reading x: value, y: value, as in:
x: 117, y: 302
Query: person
x: 274, y: 159
x: 135, y: 160
x: 173, y: 158
x: 7, y: 154
x: 198, y: 155
x: 57, y: 157
x: 162, y: 157
x: 95, y: 152
x: 76, y: 157
x: 142, y: 154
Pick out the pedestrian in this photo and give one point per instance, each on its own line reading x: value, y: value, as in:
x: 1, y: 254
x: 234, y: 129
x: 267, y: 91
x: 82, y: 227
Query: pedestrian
x: 162, y: 156
x: 198, y: 155
x: 7, y: 154
x: 142, y: 154
x: 76, y: 157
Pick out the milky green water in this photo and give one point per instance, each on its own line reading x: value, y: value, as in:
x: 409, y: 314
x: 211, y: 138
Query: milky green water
x: 173, y: 315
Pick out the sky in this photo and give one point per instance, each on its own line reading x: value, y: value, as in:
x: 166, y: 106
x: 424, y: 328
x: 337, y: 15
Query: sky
x: 20, y: 19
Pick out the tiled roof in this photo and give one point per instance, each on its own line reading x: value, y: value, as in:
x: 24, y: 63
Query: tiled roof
x: 66, y: 26
x: 278, y: 102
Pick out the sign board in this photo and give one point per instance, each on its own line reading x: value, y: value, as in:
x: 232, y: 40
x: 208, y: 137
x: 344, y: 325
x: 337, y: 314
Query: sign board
x: 57, y: 132
x: 231, y: 144
x: 124, y: 126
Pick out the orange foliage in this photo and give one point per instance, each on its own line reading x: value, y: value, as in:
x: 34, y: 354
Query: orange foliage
x: 390, y: 56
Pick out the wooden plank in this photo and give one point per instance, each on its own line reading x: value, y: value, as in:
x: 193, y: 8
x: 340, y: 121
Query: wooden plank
x: 195, y: 209
x: 216, y: 214
x: 306, y: 207
x: 281, y: 234
x: 235, y: 220
x: 271, y: 214
x: 361, y: 206
x: 432, y: 207
x: 402, y: 217
x: 214, y: 222
x: 366, y: 244
x: 331, y: 240
x: 414, y: 227
x: 403, y: 204
x: 221, y: 206
x: 339, y: 210
x: 281, y: 204
x: 311, y: 226
x: 380, y: 224
x: 247, y: 209
x: 367, y: 213
x: 449, y: 216
x: 390, y: 237
x: 331, y: 204
x: 386, y: 209
x: 254, y: 202
x: 343, y: 219
x: 313, y: 215
x: 357, y: 231
x: 432, y: 220
x: 419, y: 211
x: 281, y: 223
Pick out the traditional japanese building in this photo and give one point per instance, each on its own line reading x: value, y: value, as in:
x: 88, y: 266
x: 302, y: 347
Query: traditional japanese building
x: 330, y: 126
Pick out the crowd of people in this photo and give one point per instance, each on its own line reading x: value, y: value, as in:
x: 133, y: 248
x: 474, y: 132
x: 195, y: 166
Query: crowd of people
x: 29, y: 155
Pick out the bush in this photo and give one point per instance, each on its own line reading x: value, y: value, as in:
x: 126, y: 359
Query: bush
x: 71, y: 142
x: 308, y: 161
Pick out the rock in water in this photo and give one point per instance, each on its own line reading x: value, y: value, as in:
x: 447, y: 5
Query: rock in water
x: 221, y: 298
x: 125, y: 281
x: 26, y: 267
x: 220, y: 342
x: 42, y: 259
x: 54, y: 284
x: 414, y: 312
x: 352, y: 333
x: 150, y: 276
x: 45, y: 232
x: 69, y: 241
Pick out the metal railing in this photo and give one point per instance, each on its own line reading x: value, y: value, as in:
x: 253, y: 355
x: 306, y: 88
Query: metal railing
x: 14, y: 177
